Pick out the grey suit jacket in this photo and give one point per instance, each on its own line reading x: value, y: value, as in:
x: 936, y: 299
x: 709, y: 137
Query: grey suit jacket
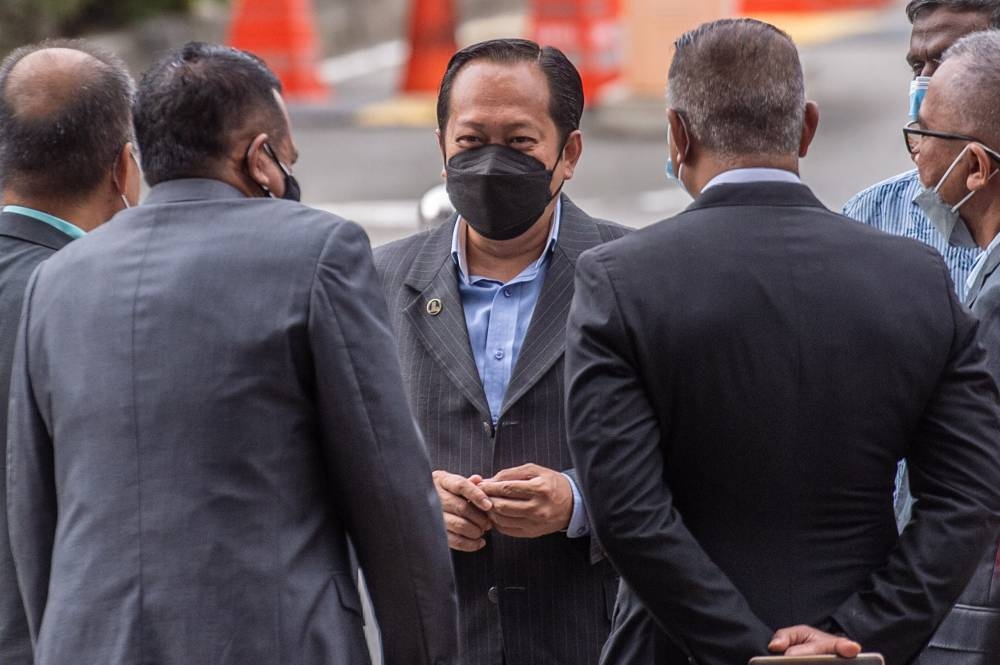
x: 206, y: 402
x: 542, y: 601
x: 24, y: 243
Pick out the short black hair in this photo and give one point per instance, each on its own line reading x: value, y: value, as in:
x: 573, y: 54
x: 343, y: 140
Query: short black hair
x: 991, y: 8
x: 193, y: 101
x: 65, y: 145
x: 565, y: 86
x: 738, y: 85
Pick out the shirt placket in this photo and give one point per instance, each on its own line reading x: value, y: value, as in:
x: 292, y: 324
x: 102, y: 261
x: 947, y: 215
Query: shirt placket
x: 500, y: 346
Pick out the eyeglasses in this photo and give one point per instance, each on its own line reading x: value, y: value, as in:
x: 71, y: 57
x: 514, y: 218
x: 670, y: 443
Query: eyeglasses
x: 913, y: 134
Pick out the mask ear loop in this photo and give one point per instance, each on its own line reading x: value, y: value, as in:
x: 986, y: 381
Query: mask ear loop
x: 263, y: 188
x: 121, y: 190
x: 687, y: 147
x: 562, y: 149
x: 968, y: 196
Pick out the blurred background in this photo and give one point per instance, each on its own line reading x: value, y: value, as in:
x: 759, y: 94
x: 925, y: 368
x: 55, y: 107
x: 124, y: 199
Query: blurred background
x: 361, y: 78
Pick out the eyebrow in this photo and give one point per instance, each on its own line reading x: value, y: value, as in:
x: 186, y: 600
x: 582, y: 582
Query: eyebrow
x: 508, y: 127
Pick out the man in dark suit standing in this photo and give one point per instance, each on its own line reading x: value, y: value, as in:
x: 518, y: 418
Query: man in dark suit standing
x: 479, y: 307
x: 67, y: 165
x: 742, y: 380
x: 192, y: 443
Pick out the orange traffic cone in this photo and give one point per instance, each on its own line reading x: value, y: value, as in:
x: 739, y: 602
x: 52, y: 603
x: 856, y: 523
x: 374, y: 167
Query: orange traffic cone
x: 589, y: 32
x: 282, y: 33
x: 432, y: 43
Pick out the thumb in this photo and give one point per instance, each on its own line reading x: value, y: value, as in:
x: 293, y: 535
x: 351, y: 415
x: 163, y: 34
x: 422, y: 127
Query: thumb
x: 847, y: 648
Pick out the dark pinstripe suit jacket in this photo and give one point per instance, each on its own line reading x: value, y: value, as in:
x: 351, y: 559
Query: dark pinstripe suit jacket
x: 543, y: 601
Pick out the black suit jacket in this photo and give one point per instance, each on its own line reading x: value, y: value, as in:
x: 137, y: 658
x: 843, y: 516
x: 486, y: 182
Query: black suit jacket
x: 742, y: 381
x: 24, y: 243
x: 542, y: 601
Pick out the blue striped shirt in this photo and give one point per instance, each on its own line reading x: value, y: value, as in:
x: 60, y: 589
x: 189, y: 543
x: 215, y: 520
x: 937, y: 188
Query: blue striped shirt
x: 889, y: 207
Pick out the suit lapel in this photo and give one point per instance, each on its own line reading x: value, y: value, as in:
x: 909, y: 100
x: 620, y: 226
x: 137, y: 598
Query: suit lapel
x: 444, y: 333
x: 545, y: 341
x: 990, y: 266
x: 31, y: 230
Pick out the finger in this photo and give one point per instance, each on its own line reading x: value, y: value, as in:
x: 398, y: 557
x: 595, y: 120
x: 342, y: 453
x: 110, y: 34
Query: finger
x: 847, y: 648
x: 460, y: 486
x: 823, y: 647
x: 454, y: 505
x: 785, y: 637
x: 463, y: 544
x: 524, y: 510
x: 462, y: 527
x: 510, y: 489
x: 523, y: 472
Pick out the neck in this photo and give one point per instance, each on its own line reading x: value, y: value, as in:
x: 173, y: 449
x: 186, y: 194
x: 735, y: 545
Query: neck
x: 711, y: 165
x: 86, y: 214
x: 503, y: 260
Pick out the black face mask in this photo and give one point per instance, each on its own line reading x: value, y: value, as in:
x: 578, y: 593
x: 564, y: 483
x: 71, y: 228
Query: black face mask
x: 292, y: 190
x: 499, y: 191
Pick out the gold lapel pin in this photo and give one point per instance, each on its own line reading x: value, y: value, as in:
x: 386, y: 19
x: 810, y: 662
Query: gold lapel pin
x: 434, y: 306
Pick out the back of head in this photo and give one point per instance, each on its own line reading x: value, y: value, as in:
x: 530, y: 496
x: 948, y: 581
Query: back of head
x: 991, y: 8
x: 565, y: 85
x: 195, y: 103
x: 973, y: 85
x: 65, y: 114
x: 737, y: 84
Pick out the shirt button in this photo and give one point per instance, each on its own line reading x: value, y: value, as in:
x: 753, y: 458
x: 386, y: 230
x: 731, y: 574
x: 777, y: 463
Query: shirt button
x: 499, y: 354
x: 507, y: 292
x: 493, y: 595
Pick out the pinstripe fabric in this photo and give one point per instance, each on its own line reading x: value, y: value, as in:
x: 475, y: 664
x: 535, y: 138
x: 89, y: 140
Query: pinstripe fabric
x: 553, y: 602
x: 889, y: 207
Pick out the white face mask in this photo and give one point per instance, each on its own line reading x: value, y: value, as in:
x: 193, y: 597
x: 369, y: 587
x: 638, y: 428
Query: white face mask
x: 942, y: 214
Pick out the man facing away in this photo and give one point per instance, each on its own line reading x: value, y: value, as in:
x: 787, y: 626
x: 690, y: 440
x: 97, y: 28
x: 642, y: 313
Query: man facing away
x: 956, y: 147
x: 192, y: 443
x: 742, y: 381
x: 67, y: 165
x: 891, y: 205
x: 479, y: 307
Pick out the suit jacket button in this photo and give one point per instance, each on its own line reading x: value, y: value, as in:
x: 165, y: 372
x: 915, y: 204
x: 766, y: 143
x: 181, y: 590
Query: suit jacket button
x: 493, y: 595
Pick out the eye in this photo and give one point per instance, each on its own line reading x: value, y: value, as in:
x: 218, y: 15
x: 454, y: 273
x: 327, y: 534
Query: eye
x: 522, y: 142
x: 917, y: 66
x: 468, y: 141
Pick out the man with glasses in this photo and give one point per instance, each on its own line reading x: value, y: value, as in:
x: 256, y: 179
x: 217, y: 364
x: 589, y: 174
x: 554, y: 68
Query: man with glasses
x: 954, y: 145
x: 891, y: 205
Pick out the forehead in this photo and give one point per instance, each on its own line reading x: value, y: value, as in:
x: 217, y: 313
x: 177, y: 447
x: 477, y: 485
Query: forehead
x: 485, y: 92
x: 943, y: 99
x: 934, y: 31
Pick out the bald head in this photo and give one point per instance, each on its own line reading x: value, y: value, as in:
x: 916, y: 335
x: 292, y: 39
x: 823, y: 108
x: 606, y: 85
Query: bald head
x: 65, y: 113
x: 968, y: 84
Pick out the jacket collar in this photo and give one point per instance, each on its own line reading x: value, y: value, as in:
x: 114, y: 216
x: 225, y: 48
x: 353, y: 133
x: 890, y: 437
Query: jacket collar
x: 20, y: 227
x: 770, y: 194
x: 191, y: 189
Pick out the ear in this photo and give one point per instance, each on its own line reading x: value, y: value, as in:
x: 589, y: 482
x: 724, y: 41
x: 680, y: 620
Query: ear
x: 810, y: 123
x: 571, y: 153
x: 258, y: 161
x: 124, y: 169
x: 444, y: 154
x: 681, y: 147
x: 983, y: 168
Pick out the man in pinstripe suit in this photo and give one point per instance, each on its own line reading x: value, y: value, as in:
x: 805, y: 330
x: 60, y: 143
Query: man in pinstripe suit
x: 479, y: 307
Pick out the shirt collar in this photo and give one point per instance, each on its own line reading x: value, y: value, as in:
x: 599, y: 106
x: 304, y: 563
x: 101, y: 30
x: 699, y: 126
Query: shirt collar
x: 755, y: 174
x: 69, y: 229
x: 977, y: 267
x: 458, y: 244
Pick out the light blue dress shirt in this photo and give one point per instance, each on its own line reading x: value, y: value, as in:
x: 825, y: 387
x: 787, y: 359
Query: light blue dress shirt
x: 497, y: 316
x: 753, y: 174
x: 889, y: 207
x: 71, y: 230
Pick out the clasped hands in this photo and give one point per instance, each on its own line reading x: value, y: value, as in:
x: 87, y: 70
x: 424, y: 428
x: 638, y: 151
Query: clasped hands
x: 526, y: 502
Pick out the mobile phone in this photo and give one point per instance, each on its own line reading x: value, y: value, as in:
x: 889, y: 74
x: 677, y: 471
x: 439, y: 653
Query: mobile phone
x: 860, y: 659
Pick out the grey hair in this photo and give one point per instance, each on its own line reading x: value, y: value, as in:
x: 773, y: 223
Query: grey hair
x: 976, y: 90
x: 989, y: 7
x: 738, y: 85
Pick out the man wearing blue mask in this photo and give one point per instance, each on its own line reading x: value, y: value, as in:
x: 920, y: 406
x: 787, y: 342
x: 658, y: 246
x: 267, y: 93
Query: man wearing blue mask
x: 479, y: 306
x: 68, y: 166
x: 955, y: 143
x: 893, y: 205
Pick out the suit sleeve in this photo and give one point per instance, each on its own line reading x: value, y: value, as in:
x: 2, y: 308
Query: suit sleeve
x: 32, y: 510
x: 954, y: 467
x: 378, y: 466
x: 615, y: 440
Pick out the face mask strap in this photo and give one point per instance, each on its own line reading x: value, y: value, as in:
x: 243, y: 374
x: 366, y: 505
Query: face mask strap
x: 951, y: 168
x: 968, y: 196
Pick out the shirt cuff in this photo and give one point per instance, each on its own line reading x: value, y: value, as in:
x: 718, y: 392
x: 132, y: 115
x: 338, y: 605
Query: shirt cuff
x: 579, y: 523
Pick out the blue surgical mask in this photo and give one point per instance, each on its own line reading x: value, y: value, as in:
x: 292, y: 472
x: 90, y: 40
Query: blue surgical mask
x: 918, y: 90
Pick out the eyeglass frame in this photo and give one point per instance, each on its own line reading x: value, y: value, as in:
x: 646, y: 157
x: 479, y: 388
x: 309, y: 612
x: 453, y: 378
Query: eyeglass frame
x: 948, y: 136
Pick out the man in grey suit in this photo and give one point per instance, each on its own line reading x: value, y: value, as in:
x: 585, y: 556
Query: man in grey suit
x: 67, y: 165
x: 192, y: 443
x: 479, y: 307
